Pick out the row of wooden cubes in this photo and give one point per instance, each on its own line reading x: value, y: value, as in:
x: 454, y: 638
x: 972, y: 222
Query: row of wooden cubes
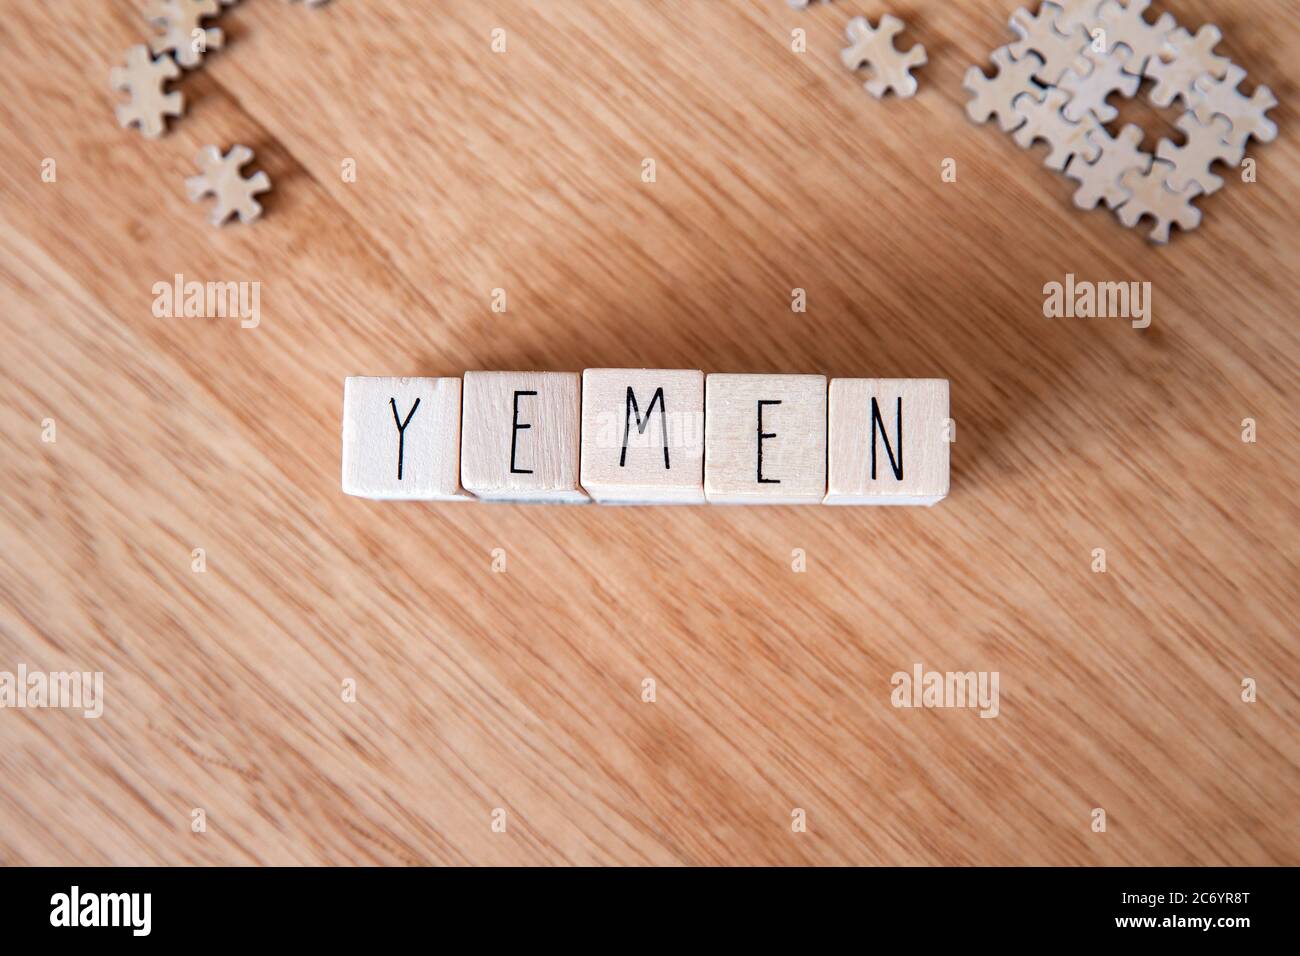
x: 648, y: 436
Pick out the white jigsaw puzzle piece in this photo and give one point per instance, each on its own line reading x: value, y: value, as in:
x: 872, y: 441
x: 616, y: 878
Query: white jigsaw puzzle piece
x: 1038, y: 34
x: 1206, y: 144
x: 1223, y: 98
x: 874, y: 49
x: 1152, y: 197
x: 145, y: 79
x: 221, y: 177
x: 182, y: 29
x: 1094, y: 78
x: 1044, y: 120
x: 1100, y: 181
x: 996, y: 95
x: 1186, y: 57
x: 1078, y: 13
x: 1127, y: 24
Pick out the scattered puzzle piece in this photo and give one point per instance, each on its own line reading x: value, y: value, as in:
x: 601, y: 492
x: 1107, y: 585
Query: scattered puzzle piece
x: 1206, y: 144
x: 1043, y: 120
x: 1093, y: 78
x: 1054, y: 47
x: 183, y: 33
x: 1039, y: 35
x: 1100, y: 181
x: 997, y: 94
x: 1222, y: 98
x: 221, y: 178
x: 1151, y: 197
x: 1186, y: 57
x: 145, y: 78
x: 874, y: 49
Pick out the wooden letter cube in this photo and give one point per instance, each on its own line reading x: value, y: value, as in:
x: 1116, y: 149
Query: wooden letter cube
x: 888, y: 441
x: 401, y: 438
x: 643, y: 435
x: 519, y: 436
x: 765, y: 439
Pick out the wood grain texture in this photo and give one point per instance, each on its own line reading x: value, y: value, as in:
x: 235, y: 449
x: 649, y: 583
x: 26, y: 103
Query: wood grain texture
x: 523, y: 690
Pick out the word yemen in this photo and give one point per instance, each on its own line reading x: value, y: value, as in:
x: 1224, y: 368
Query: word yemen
x: 647, y: 436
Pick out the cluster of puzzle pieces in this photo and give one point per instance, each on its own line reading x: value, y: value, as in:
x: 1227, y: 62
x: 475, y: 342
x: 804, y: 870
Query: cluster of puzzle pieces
x: 1055, y: 83
x: 647, y: 436
x: 181, y: 40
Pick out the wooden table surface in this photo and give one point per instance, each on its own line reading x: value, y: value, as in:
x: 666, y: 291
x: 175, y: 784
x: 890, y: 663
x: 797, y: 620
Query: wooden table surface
x: 479, y: 691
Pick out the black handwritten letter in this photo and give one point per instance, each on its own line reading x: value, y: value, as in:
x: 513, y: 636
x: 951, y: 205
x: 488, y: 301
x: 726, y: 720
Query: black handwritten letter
x: 895, y: 464
x: 761, y: 435
x: 514, y: 437
x: 641, y: 426
x: 401, y: 432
